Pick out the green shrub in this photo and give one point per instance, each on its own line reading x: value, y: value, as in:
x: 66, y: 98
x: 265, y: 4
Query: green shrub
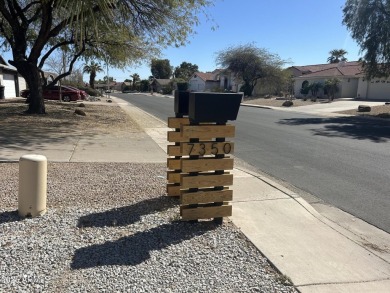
x: 126, y: 88
x: 182, y: 86
x: 167, y: 90
x: 144, y: 85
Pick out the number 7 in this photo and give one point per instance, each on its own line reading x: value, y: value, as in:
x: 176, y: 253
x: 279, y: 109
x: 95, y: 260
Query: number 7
x: 192, y: 147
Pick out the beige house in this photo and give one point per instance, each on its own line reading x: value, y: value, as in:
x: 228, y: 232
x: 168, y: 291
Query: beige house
x: 158, y: 84
x: 204, y: 81
x: 353, y: 83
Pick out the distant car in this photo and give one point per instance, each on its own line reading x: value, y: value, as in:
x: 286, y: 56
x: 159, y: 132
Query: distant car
x: 108, y: 91
x: 53, y: 93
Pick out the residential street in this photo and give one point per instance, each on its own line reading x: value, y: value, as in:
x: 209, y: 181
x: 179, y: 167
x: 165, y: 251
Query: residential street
x: 343, y: 161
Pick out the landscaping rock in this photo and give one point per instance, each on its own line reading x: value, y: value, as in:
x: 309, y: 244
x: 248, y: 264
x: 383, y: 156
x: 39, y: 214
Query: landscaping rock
x: 109, y: 101
x: 363, y: 108
x: 287, y: 104
x: 80, y: 112
x: 82, y: 105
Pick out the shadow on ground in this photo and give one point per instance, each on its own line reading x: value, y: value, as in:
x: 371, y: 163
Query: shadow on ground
x: 135, y: 249
x: 9, y: 216
x: 350, y: 127
x: 127, y: 215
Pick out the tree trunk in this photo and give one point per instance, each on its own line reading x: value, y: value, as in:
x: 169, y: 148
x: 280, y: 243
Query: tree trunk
x: 92, y: 80
x: 33, y: 79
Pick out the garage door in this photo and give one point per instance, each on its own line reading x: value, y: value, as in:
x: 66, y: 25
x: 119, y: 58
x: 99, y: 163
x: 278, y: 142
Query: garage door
x: 379, y: 89
x: 9, y: 86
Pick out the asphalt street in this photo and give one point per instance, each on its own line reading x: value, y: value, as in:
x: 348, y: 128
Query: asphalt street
x: 344, y: 161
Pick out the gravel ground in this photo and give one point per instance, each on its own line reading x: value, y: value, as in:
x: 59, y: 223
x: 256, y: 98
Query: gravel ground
x: 110, y: 228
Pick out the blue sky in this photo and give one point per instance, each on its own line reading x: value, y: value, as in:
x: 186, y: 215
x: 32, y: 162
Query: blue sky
x: 302, y: 31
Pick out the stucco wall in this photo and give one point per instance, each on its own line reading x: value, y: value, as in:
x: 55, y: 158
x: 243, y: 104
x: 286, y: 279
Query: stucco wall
x: 379, y: 88
x: 362, y: 88
x: 349, y: 87
x: 196, y: 84
x: 22, y: 84
x: 211, y: 85
x: 375, y: 89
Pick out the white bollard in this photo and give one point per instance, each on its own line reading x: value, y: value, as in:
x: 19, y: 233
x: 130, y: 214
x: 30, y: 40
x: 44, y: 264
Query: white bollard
x: 32, y: 185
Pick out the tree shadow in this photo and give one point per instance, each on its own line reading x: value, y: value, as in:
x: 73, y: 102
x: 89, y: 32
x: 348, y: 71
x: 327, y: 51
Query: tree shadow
x: 135, y: 249
x: 9, y: 216
x: 352, y: 127
x: 124, y: 216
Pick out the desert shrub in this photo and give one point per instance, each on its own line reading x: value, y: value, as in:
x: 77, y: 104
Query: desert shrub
x: 144, y: 85
x: 167, y: 89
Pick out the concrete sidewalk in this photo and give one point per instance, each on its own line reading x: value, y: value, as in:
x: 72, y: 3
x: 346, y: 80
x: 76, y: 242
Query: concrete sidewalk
x: 320, y: 248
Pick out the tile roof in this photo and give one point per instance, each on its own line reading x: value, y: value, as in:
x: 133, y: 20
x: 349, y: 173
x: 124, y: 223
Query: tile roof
x: 163, y: 81
x: 353, y: 68
x: 206, y: 76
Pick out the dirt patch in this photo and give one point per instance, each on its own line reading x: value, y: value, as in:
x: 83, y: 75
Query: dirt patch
x: 61, y: 117
x: 274, y: 102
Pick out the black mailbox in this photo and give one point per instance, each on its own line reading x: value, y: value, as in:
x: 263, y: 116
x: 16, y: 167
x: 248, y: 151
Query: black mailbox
x: 213, y: 107
x: 181, y: 102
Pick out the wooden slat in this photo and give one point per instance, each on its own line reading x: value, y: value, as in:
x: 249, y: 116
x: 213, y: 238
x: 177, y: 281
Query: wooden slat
x: 174, y: 122
x: 205, y: 180
x: 188, y: 214
x: 173, y: 164
x: 205, y: 195
x: 173, y: 150
x: 173, y: 177
x: 205, y: 148
x: 206, y: 164
x: 207, y: 131
x: 173, y: 190
x: 174, y: 136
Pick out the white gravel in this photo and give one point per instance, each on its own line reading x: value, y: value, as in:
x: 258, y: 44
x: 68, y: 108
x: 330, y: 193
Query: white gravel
x: 110, y: 228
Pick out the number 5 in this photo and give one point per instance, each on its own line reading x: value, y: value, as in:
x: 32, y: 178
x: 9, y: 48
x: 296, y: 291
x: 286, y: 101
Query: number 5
x: 214, y: 149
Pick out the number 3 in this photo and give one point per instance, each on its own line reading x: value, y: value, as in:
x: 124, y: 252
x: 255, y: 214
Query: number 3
x: 202, y: 150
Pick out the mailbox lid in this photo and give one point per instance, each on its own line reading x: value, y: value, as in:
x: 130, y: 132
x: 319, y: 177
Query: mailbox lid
x: 213, y: 107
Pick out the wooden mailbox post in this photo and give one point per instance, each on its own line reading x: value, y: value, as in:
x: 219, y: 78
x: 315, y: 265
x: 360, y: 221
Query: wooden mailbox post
x: 201, y: 156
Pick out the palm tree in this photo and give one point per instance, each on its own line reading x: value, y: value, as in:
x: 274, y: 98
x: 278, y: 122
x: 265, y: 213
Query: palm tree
x: 135, y: 78
x: 337, y: 55
x: 332, y: 87
x: 92, y: 69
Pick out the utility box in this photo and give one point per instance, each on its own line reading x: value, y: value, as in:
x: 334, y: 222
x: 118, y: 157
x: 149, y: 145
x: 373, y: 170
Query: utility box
x: 32, y: 185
